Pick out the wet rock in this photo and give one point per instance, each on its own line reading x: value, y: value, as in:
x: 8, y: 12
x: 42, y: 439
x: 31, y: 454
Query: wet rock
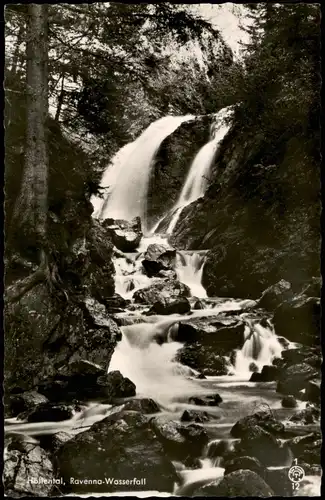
x: 81, y: 367
x: 194, y: 416
x: 117, y: 386
x: 206, y: 400
x: 269, y: 373
x: 170, y: 289
x: 295, y: 356
x: 25, y: 402
x: 294, y: 378
x: 279, y: 481
x: 122, y: 446
x: 52, y: 443
x: 307, y: 448
x: 213, y: 332
x: 247, y: 463
x: 262, y: 445
x: 126, y: 236
x: 179, y: 440
x: 299, y: 320
x: 116, y: 304
x: 241, y: 483
x: 201, y: 358
x: 313, y: 391
x: 310, y: 415
x: 198, y: 305
x: 289, y: 402
x: 253, y: 367
x: 158, y: 258
x: 274, y: 295
x: 166, y: 306
x: 143, y: 405
x: 256, y: 377
x: 49, y: 412
x: 263, y: 419
x: 192, y: 463
x: 222, y: 449
x: 278, y: 362
x: 27, y: 470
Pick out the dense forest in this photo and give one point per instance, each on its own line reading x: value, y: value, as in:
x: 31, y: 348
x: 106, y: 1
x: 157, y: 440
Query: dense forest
x: 117, y: 338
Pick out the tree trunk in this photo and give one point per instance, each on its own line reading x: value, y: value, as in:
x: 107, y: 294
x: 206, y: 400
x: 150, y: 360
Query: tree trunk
x: 30, y: 213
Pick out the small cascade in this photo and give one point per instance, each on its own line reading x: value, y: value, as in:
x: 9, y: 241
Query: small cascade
x: 261, y: 346
x: 198, y: 176
x: 129, y: 275
x: 193, y: 479
x: 127, y: 178
x: 189, y: 269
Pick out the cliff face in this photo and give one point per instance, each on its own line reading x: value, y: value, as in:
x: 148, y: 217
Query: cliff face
x: 260, y: 218
x: 172, y: 164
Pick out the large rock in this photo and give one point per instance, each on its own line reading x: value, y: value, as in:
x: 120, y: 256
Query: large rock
x: 294, y: 378
x: 313, y: 391
x: 49, y: 412
x: 299, y: 320
x: 117, y: 386
x: 220, y: 333
x: 244, y: 462
x: 203, y: 359
x: 126, y: 236
x: 167, y: 305
x: 279, y: 481
x: 262, y: 419
x: 179, y: 440
x: 161, y: 289
x: 268, y: 374
x: 307, y: 448
x: 24, y: 402
x: 123, y: 446
x: 274, y: 295
x: 262, y: 445
x: 241, y: 483
x: 28, y: 471
x: 310, y: 415
x: 158, y: 258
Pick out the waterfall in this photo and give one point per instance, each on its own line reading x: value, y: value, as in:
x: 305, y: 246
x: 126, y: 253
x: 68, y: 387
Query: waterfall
x: 261, y: 346
x: 127, y: 178
x: 198, y: 176
x: 189, y: 269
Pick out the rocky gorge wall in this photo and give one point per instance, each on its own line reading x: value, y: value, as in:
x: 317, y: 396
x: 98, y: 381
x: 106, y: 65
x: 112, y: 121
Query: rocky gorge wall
x: 172, y: 164
x: 260, y: 218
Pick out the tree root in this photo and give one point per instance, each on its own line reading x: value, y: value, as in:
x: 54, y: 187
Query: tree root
x: 16, y: 291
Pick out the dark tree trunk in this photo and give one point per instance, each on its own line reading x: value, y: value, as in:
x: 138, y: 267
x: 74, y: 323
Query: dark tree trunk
x: 30, y: 213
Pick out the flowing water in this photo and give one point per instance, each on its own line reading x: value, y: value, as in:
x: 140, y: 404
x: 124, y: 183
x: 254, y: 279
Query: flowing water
x: 151, y: 365
x: 127, y: 178
x: 198, y: 176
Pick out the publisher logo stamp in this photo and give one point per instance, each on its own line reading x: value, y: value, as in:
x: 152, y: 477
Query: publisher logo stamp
x: 296, y: 475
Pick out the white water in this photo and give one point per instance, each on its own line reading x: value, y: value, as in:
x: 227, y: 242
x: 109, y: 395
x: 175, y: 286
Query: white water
x: 128, y: 176
x: 189, y: 269
x: 261, y: 347
x: 198, y: 176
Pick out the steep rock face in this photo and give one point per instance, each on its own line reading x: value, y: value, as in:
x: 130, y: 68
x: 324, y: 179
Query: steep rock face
x: 259, y: 218
x: 173, y: 163
x: 51, y: 326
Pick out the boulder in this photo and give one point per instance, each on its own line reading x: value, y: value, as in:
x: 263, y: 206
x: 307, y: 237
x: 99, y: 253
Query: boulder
x: 295, y: 356
x: 310, y: 415
x: 201, y: 358
x: 307, y: 448
x: 269, y: 373
x: 241, y: 483
x: 224, y: 334
x: 117, y: 386
x: 245, y: 462
x: 167, y: 305
x: 274, y: 295
x: 160, y: 289
x: 49, y: 412
x: 123, y: 446
x: 279, y: 481
x: 289, y: 402
x: 158, y: 258
x: 126, y: 235
x: 299, y: 320
x: 179, y: 440
x: 28, y: 471
x: 143, y: 405
x: 25, y: 402
x: 53, y: 442
x: 263, y: 419
x: 194, y: 416
x: 295, y: 377
x: 262, y: 445
x: 206, y: 400
x: 313, y: 391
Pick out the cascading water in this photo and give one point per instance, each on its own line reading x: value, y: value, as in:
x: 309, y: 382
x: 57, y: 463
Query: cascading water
x: 261, y: 346
x: 128, y: 175
x: 198, y: 176
x: 189, y: 269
